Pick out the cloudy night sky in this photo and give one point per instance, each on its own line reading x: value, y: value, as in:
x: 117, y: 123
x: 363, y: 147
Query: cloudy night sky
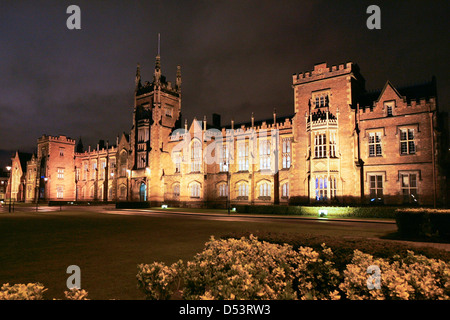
x: 236, y: 57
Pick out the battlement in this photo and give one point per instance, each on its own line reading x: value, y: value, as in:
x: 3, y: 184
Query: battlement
x: 321, y: 71
x: 59, y: 139
x: 95, y: 152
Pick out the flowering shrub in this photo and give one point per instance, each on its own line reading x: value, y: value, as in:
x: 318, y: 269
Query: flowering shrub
x: 245, y: 269
x: 251, y: 269
x: 240, y: 269
x: 30, y: 291
x: 412, y: 278
x: 159, y: 281
x: 76, y: 294
x: 35, y: 291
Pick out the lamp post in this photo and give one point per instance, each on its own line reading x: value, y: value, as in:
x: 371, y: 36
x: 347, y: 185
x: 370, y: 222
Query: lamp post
x: 228, y: 184
x: 114, y: 198
x: 10, y: 185
x: 45, y: 188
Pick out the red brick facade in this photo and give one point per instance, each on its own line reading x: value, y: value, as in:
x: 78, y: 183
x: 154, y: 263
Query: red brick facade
x: 342, y: 145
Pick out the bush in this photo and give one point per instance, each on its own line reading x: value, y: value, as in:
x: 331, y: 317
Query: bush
x: 158, y: 281
x: 422, y: 223
x: 250, y: 269
x: 35, y: 291
x: 413, y: 278
x: 76, y: 294
x: 30, y: 291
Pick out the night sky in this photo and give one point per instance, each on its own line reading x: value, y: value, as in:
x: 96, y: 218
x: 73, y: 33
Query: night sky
x: 236, y: 57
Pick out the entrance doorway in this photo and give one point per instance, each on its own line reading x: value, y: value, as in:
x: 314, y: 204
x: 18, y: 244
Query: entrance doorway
x: 143, y: 192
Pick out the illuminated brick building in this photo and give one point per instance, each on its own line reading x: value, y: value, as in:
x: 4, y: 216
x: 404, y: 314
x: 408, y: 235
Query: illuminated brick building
x: 341, y: 145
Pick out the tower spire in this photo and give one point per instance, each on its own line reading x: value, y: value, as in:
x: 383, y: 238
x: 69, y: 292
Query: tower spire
x: 159, y: 43
x: 157, y: 74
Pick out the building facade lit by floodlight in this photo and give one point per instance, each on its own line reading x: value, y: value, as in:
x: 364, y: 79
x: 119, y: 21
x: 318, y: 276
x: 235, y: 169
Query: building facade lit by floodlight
x: 341, y: 145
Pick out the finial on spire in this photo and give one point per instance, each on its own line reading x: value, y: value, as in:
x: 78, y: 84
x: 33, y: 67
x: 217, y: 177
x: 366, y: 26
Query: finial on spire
x: 159, y: 43
x: 157, y: 74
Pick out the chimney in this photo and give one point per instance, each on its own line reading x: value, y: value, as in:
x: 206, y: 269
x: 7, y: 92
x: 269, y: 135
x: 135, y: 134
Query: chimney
x: 216, y: 120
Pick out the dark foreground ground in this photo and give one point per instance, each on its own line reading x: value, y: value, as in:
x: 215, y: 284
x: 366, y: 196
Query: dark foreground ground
x: 108, y: 244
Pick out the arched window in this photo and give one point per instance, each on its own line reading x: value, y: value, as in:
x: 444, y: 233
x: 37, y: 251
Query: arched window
x: 196, y: 156
x: 242, y: 190
x: 122, y: 191
x: 110, y: 193
x: 285, y: 190
x: 123, y: 163
x: 222, y: 189
x: 264, y: 190
x: 286, y: 153
x: 194, y: 190
x: 264, y: 155
x: 176, y: 190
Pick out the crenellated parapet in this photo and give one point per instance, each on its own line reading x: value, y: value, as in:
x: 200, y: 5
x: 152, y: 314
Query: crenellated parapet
x: 321, y: 71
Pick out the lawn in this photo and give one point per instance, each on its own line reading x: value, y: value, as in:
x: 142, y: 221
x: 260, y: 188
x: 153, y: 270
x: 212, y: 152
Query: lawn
x: 38, y: 247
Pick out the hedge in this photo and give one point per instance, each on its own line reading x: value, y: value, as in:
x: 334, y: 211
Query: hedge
x: 421, y: 222
x: 332, y: 211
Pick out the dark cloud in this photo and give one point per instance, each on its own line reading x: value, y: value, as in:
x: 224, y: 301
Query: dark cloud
x: 237, y: 57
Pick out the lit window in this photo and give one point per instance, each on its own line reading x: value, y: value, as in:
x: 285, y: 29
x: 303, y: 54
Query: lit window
x: 264, y: 190
x: 285, y: 190
x: 59, y: 192
x: 141, y: 161
x: 196, y: 156
x: 374, y: 144
x: 321, y: 189
x: 376, y: 188
x: 320, y: 145
x: 243, y: 156
x: 103, y: 169
x: 60, y: 173
x: 326, y: 188
x: 94, y: 169
x: 195, y: 190
x: 333, y: 144
x: 409, y: 187
x: 333, y: 187
x: 176, y: 190
x: 85, y: 171
x: 243, y: 190
x: 407, y: 145
x: 223, y: 159
x: 286, y: 153
x: 178, y: 162
x: 223, y: 190
x: 264, y: 155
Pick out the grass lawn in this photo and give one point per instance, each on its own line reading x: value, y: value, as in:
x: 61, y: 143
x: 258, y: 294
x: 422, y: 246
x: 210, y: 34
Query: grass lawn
x: 38, y: 247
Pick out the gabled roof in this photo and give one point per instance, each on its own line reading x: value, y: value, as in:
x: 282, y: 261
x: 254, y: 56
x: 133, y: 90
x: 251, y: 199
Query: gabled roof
x: 423, y: 90
x: 24, y: 157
